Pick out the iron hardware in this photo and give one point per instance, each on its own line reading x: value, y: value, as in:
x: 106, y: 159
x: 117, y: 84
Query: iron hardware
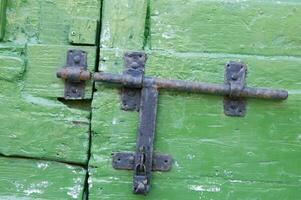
x: 75, y: 74
x: 235, y: 76
x: 133, y: 66
x: 144, y: 96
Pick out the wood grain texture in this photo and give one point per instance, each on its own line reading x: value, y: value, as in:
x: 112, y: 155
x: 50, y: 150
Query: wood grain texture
x: 215, y: 156
x: 123, y: 24
x: 40, y: 127
x: 30, y: 179
x: 260, y: 27
x: 12, y: 62
x: 83, y: 31
x: 33, y: 122
x: 47, y: 22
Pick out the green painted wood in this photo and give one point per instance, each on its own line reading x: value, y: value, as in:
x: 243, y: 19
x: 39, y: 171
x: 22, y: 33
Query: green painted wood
x: 215, y: 156
x: 123, y: 24
x: 260, y: 27
x: 30, y: 179
x: 40, y: 127
x: 35, y: 122
x: 47, y: 22
x: 2, y: 18
x: 83, y: 31
x: 12, y: 62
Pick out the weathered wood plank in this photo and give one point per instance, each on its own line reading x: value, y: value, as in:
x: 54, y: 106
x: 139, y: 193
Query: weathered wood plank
x: 34, y: 123
x: 2, y: 18
x: 267, y: 27
x: 111, y: 187
x: 41, y: 127
x: 83, y: 31
x: 48, y: 22
x: 43, y: 62
x: 12, y: 68
x: 241, y: 157
x: 123, y: 24
x: 30, y: 179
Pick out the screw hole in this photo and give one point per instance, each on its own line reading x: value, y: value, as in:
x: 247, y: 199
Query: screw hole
x: 166, y: 161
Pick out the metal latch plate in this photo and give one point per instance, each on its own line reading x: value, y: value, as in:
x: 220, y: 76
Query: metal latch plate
x: 76, y: 62
x: 134, y: 63
x: 235, y: 77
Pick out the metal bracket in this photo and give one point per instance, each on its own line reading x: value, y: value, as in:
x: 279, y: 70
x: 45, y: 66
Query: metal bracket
x: 75, y: 74
x: 134, y: 63
x: 235, y: 77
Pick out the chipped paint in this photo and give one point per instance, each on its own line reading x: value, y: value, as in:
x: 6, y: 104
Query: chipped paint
x: 202, y: 188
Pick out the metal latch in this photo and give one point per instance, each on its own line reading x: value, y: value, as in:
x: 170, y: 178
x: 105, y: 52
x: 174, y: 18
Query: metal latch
x: 75, y: 74
x: 133, y: 67
x: 144, y: 96
x: 235, y: 77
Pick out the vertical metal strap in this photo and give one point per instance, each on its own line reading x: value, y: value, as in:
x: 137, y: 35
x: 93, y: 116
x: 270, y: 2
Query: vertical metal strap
x: 145, y: 140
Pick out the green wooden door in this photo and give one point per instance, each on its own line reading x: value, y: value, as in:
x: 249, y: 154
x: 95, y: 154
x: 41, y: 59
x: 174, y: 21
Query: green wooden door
x: 215, y: 156
x: 44, y: 141
x: 52, y: 148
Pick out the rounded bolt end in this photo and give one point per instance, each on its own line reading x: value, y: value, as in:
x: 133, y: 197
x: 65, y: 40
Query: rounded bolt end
x: 60, y: 73
x: 85, y: 76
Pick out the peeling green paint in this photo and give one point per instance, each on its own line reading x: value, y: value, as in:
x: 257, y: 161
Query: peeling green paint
x: 123, y: 24
x: 215, y: 157
x: 32, y: 179
x: 257, y: 27
x: 46, y: 22
x: 83, y: 31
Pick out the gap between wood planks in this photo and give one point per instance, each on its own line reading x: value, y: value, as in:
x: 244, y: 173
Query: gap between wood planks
x: 97, y: 54
x: 43, y: 159
x: 146, y: 45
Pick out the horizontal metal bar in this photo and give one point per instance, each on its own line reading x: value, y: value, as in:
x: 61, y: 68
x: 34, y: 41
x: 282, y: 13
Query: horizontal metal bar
x: 76, y: 74
x: 190, y: 86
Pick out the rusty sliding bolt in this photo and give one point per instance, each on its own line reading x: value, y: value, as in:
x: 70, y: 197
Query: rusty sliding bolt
x: 190, y: 86
x: 73, y: 74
